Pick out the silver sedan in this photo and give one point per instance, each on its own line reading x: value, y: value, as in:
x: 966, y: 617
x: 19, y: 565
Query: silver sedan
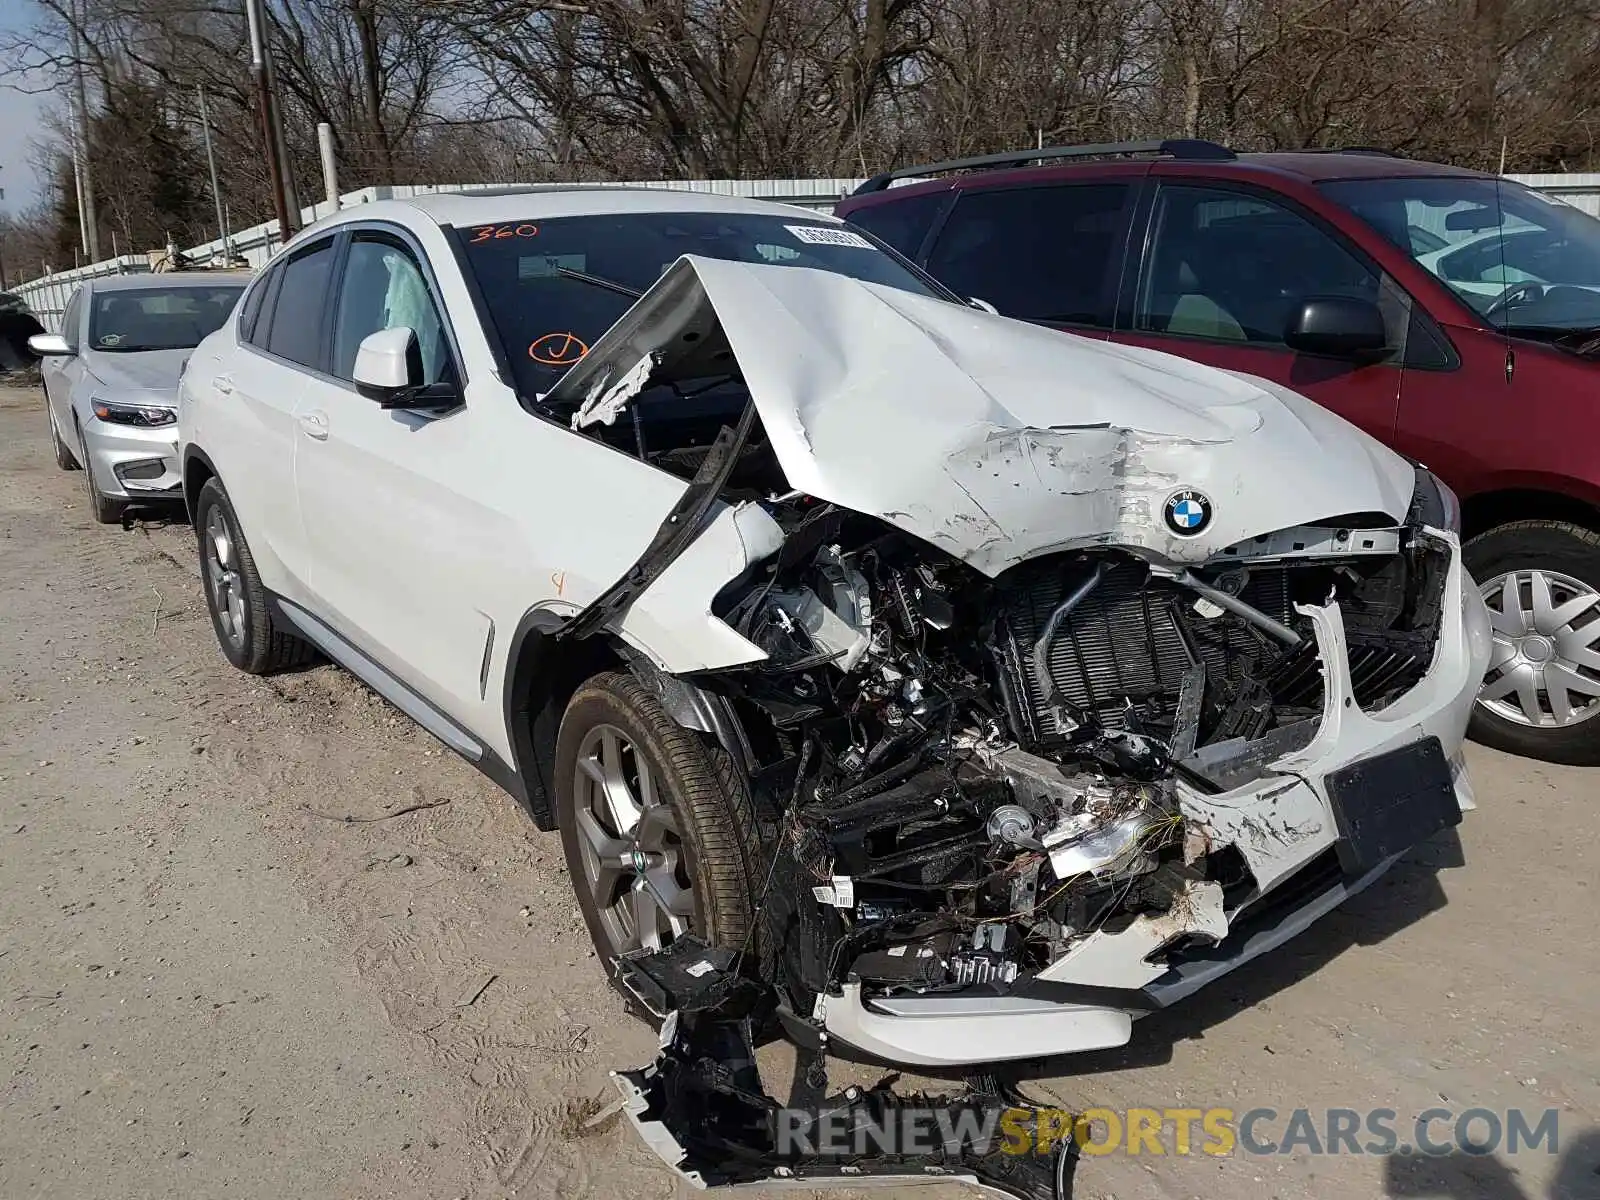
x: 111, y: 380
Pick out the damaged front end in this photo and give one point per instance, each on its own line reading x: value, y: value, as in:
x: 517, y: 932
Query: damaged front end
x: 1021, y: 782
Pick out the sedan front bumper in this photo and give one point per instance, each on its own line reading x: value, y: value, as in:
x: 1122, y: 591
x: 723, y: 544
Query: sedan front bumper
x: 132, y: 462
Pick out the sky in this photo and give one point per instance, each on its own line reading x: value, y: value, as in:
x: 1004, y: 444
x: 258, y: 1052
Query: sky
x: 19, y: 123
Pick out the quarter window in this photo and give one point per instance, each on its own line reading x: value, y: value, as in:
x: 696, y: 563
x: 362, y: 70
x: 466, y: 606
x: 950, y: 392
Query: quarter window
x: 1234, y: 267
x: 1042, y: 254
x: 297, y: 322
x: 384, y: 288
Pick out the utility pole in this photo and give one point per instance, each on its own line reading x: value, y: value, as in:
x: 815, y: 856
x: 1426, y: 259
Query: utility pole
x: 211, y: 166
x: 77, y: 181
x: 330, y: 165
x: 91, y: 239
x: 269, y: 140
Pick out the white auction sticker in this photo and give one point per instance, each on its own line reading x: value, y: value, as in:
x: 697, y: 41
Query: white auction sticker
x: 827, y: 235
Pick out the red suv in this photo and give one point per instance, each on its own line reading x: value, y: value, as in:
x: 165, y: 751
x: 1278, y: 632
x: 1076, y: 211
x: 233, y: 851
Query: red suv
x: 1454, y: 315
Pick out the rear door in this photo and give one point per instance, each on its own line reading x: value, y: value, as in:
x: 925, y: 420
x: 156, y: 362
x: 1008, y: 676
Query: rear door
x: 262, y: 387
x: 1222, y: 270
x: 1046, y: 252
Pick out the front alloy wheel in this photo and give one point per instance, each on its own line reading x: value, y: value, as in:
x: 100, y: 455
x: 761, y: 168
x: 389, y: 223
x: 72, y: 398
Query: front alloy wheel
x: 656, y: 822
x: 632, y: 849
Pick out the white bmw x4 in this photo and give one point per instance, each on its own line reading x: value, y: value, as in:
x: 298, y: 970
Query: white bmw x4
x: 925, y: 683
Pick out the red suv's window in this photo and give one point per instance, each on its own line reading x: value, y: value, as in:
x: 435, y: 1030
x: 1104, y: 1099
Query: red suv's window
x: 1233, y: 267
x: 1039, y: 253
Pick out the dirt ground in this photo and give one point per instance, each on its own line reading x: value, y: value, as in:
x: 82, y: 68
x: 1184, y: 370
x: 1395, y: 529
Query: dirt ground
x: 212, y: 984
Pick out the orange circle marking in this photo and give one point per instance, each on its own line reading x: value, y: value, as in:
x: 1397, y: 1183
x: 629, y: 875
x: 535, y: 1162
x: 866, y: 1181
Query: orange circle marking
x: 558, y: 349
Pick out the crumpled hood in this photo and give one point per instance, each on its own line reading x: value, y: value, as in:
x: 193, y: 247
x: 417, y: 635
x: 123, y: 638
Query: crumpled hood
x: 151, y: 373
x: 991, y: 438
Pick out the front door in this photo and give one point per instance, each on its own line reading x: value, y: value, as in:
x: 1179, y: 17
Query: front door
x: 1224, y: 272
x: 397, y: 548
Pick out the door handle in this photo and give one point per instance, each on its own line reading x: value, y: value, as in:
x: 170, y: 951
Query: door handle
x: 315, y: 425
x: 222, y: 384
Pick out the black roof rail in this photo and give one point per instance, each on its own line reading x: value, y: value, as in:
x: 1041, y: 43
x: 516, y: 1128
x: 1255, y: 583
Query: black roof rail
x: 1375, y: 151
x: 1186, y: 148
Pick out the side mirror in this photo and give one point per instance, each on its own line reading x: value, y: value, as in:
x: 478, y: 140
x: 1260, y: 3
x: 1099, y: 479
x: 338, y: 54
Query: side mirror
x: 49, y: 345
x: 1338, y: 327
x: 388, y: 369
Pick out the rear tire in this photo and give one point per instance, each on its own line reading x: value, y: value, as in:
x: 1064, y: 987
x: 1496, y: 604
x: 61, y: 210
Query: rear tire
x: 245, y: 630
x: 710, y: 847
x: 1541, y: 580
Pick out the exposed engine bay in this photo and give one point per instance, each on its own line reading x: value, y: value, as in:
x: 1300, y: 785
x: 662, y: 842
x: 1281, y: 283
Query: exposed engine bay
x: 974, y: 774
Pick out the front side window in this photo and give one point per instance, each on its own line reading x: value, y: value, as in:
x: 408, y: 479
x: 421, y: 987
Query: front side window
x: 1039, y: 253
x: 1522, y: 261
x: 546, y: 321
x: 297, y: 316
x: 127, y: 320
x: 70, y: 327
x: 384, y: 288
x: 1235, y: 267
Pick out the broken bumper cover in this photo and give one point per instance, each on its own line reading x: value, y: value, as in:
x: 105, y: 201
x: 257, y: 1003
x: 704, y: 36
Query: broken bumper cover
x: 702, y: 1108
x: 1294, y: 832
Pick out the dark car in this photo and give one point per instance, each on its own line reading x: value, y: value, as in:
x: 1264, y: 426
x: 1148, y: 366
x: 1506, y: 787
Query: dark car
x: 1453, y: 314
x: 17, y: 325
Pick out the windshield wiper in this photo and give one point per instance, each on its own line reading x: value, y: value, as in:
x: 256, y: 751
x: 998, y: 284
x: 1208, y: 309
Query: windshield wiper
x: 611, y: 285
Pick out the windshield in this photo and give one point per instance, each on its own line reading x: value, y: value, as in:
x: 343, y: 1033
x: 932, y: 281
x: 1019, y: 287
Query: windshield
x: 1523, y: 261
x: 157, y: 318
x: 547, y: 321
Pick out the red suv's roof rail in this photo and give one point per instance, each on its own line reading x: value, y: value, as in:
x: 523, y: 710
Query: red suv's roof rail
x: 1187, y: 148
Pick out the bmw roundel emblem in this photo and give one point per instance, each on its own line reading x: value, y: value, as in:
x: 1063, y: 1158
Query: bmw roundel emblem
x: 1188, y: 512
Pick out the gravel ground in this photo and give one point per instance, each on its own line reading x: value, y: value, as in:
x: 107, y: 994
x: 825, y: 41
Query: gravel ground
x: 213, y: 984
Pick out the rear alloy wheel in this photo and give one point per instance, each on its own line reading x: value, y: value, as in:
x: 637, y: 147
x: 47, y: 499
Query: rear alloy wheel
x: 249, y: 637
x: 656, y: 824
x: 104, y: 510
x: 1541, y: 583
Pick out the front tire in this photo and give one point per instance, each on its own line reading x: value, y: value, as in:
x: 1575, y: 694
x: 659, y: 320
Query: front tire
x: 1541, y: 696
x: 104, y: 510
x: 64, y: 458
x: 656, y: 822
x: 249, y: 637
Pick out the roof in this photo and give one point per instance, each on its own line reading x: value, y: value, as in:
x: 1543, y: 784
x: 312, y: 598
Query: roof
x: 1315, y: 166
x: 489, y: 206
x: 1310, y: 166
x: 145, y: 281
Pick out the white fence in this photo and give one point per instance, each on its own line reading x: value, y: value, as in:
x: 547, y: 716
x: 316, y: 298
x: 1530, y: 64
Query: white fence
x: 48, y: 296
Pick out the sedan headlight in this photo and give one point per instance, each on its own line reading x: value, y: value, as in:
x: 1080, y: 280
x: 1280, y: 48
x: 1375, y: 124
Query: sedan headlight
x: 146, y: 416
x: 1433, y: 503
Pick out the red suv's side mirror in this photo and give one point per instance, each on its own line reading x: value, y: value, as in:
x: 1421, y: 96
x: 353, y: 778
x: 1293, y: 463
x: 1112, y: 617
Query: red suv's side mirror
x: 1337, y: 326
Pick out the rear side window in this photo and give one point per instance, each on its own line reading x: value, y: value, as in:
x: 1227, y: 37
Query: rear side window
x: 1042, y: 253
x: 297, y: 315
x: 903, y: 224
